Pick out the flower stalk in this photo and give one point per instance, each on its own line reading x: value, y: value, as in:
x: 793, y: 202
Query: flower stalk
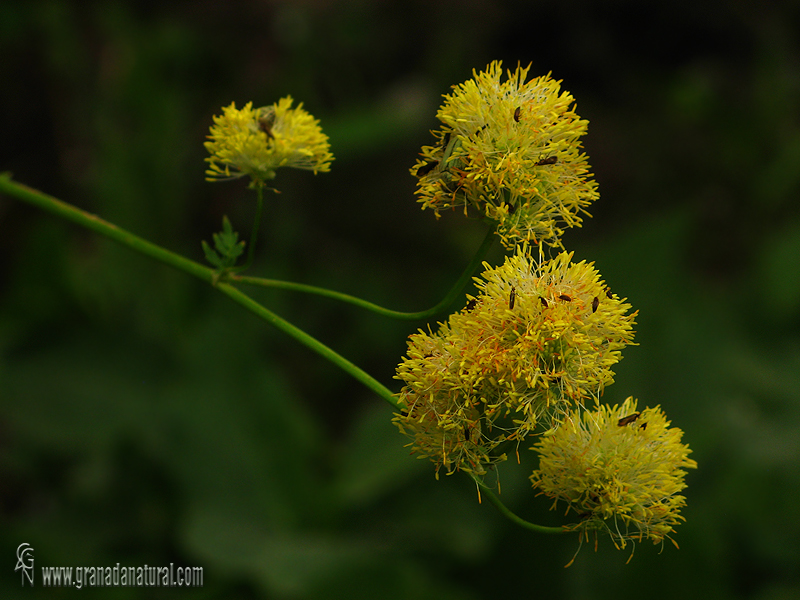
x: 447, y: 301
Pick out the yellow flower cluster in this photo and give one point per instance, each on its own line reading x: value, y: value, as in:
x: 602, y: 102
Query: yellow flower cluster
x: 509, y: 151
x: 535, y: 340
x: 619, y: 469
x: 534, y: 350
x: 255, y: 142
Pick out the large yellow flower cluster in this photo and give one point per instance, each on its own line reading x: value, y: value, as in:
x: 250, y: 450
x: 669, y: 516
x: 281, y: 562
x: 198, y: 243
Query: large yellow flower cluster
x: 534, y: 341
x: 619, y: 469
x: 509, y: 151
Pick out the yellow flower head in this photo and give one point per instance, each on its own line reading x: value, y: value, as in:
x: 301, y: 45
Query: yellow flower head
x: 510, y: 151
x: 535, y: 340
x: 619, y: 469
x: 256, y: 141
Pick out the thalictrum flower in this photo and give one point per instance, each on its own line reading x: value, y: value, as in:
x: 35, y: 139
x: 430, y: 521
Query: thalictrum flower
x: 255, y: 142
x: 619, y: 469
x: 534, y: 341
x: 509, y: 151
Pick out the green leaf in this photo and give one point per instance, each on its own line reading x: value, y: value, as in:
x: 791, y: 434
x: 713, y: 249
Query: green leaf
x: 212, y: 257
x: 228, y: 247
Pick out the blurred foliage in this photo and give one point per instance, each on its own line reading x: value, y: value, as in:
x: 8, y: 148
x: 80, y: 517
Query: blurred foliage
x: 144, y: 419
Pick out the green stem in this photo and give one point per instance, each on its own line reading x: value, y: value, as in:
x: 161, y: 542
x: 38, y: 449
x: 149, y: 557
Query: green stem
x: 251, y: 251
x: 300, y: 335
x: 95, y: 223
x: 451, y: 296
x: 510, y: 515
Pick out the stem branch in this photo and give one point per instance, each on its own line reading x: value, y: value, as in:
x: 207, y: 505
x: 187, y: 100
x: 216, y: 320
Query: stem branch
x: 423, y: 314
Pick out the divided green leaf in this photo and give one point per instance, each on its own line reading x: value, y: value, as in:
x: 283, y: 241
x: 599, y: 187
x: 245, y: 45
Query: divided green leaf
x: 228, y: 247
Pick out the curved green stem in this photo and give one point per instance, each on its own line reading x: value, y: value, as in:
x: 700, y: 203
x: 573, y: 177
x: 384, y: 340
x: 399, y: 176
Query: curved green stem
x: 95, y: 223
x: 513, y: 517
x: 423, y: 314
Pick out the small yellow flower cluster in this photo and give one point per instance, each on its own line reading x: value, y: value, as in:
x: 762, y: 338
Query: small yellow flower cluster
x: 509, y: 150
x: 255, y: 142
x: 619, y: 469
x: 536, y: 340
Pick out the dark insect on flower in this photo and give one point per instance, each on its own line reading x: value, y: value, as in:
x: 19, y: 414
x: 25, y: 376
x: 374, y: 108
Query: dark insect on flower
x: 512, y: 298
x: 628, y: 420
x: 265, y: 123
x: 471, y: 305
x: 550, y: 160
x: 565, y: 298
x: 516, y: 113
x: 543, y: 301
x: 426, y: 168
x: 643, y: 426
x: 608, y: 292
x: 595, y: 303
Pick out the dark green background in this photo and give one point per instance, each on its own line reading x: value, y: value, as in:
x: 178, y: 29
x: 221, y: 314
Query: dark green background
x: 146, y: 419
